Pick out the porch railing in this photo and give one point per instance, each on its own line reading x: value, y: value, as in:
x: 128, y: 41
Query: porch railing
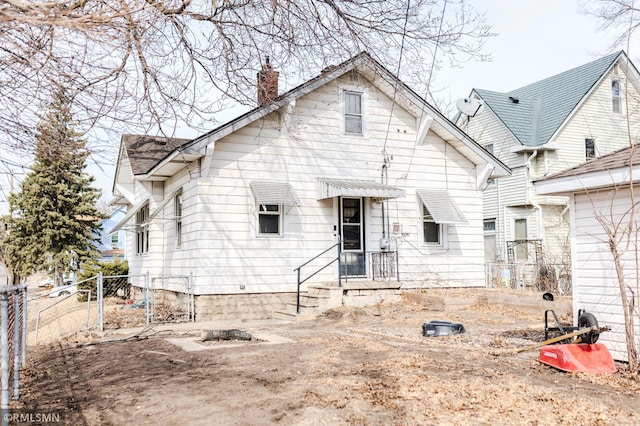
x: 337, y: 245
x: 383, y: 265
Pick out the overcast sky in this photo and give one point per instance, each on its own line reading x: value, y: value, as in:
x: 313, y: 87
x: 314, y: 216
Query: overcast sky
x: 535, y: 39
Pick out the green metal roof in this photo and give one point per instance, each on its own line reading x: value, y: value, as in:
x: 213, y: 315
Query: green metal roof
x: 543, y: 107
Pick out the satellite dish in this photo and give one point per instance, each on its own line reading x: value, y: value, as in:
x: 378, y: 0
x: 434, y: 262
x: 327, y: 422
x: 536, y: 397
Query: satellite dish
x: 469, y: 106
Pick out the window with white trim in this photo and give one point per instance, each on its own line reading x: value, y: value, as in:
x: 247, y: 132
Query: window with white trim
x: 142, y: 230
x: 353, y: 113
x: 616, y: 99
x: 489, y: 226
x: 269, y: 219
x: 431, y: 230
x: 178, y: 218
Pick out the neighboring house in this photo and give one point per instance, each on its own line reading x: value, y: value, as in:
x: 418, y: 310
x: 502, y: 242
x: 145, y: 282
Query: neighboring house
x: 352, y: 154
x: 599, y: 192
x: 112, y: 244
x: 541, y: 129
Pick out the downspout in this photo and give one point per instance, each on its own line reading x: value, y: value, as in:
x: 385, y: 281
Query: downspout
x: 384, y: 241
x: 530, y: 198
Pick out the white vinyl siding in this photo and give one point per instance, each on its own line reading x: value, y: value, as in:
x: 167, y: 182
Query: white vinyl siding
x: 220, y: 222
x: 595, y: 282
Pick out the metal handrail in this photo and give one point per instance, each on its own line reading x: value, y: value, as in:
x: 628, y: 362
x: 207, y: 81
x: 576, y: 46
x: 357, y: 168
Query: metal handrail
x: 299, y: 269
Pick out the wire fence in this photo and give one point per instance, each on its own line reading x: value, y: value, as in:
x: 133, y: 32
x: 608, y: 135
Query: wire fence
x: 554, y: 278
x: 109, y: 302
x: 13, y: 345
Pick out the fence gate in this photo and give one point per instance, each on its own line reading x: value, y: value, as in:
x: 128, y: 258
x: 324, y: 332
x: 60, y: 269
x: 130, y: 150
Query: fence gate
x: 169, y: 299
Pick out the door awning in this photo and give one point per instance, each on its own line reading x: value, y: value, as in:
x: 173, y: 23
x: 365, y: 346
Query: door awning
x: 329, y: 188
x: 130, y: 212
x: 441, y: 206
x: 280, y: 193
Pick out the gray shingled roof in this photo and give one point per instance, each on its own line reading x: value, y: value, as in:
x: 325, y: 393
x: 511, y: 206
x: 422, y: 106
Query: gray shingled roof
x: 543, y: 106
x: 145, y: 152
x: 615, y: 160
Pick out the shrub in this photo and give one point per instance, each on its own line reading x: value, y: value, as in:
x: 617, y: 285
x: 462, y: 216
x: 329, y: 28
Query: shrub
x: 118, y: 286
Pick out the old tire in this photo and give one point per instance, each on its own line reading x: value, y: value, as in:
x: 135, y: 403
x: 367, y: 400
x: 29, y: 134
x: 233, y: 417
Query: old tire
x: 587, y: 320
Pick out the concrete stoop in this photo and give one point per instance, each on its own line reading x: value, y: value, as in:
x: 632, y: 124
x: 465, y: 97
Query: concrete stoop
x: 356, y: 293
x: 317, y: 299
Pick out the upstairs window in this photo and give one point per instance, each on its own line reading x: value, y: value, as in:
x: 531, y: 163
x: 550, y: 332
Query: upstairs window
x: 616, y: 101
x: 142, y: 230
x: 353, y: 113
x: 431, y: 229
x: 589, y: 149
x: 269, y: 219
x: 178, y: 215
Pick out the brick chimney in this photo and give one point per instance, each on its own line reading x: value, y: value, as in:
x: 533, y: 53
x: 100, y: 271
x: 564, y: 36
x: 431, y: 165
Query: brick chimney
x: 267, y: 83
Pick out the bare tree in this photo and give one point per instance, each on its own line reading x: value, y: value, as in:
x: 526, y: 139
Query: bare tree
x: 156, y: 64
x: 621, y: 18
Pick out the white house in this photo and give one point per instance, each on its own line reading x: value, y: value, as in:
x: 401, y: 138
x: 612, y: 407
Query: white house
x: 541, y: 129
x: 353, y: 155
x: 600, y: 210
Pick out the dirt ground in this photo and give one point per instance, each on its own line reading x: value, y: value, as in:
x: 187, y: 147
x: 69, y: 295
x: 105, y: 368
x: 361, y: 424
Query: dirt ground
x: 355, y: 366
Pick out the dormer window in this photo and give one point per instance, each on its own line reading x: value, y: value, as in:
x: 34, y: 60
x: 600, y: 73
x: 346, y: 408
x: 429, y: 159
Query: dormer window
x: 353, y: 113
x: 616, y: 101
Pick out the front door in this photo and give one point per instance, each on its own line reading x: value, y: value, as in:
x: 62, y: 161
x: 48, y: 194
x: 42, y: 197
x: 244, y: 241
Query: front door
x: 352, y: 232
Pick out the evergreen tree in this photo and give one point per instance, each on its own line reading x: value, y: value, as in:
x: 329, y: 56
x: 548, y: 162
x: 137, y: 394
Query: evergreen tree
x: 54, y: 223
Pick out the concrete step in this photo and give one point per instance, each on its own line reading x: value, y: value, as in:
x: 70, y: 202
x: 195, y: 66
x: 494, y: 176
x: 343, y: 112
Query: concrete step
x: 292, y: 316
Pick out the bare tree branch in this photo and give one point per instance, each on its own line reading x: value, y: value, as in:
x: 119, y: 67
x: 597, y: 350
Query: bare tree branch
x: 156, y: 63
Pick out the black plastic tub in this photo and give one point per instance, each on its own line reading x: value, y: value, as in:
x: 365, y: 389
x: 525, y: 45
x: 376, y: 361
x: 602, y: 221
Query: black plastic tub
x: 442, y: 328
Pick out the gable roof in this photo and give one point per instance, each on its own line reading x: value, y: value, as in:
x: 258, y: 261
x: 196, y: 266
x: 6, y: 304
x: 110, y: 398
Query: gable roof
x: 616, y: 168
x: 145, y: 152
x: 362, y: 63
x: 535, y: 112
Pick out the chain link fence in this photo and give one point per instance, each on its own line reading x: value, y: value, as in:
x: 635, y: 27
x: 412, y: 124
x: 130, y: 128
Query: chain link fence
x: 555, y: 278
x: 110, y: 302
x: 13, y: 344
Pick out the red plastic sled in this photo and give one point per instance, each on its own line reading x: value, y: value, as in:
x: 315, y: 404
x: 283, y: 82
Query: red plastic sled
x: 588, y: 358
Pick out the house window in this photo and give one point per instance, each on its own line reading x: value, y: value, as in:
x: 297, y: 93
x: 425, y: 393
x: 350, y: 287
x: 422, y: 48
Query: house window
x: 178, y: 215
x: 114, y: 240
x: 353, y: 113
x: 431, y: 229
x: 589, y: 149
x: 142, y: 230
x: 269, y: 219
x: 489, y: 226
x: 616, y: 102
x: 521, y: 234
